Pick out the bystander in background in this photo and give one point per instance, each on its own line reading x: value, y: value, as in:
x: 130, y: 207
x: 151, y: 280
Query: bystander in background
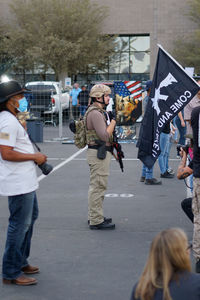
x: 167, y: 273
x: 185, y: 169
x: 83, y: 99
x: 164, y: 155
x: 147, y: 174
x: 195, y: 102
x: 196, y: 183
x: 74, y: 100
x: 180, y: 123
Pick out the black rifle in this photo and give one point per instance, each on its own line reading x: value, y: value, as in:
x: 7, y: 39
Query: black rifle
x: 118, y: 148
x: 119, y: 153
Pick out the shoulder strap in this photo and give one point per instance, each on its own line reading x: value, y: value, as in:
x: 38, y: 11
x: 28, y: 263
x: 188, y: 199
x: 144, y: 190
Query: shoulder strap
x: 93, y: 108
x: 90, y: 109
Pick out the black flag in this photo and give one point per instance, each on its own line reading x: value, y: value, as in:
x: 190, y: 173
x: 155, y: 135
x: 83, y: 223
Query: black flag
x: 172, y: 88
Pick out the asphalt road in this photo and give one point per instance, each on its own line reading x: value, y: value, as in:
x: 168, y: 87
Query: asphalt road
x: 77, y: 263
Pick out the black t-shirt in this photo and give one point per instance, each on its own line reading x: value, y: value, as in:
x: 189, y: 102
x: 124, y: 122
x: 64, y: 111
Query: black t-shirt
x: 196, y: 148
x: 166, y: 128
x: 83, y: 97
x: 191, y: 164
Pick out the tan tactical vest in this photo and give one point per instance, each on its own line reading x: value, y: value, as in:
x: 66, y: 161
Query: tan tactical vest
x: 91, y: 135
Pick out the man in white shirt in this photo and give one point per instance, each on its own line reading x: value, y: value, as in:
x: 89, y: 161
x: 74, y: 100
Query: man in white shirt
x: 18, y: 181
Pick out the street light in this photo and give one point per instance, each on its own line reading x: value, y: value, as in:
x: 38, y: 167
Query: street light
x: 5, y: 78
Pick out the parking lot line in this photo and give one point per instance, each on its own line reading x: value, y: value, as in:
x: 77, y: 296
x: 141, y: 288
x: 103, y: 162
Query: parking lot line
x: 124, y: 159
x: 73, y: 157
x: 63, y: 163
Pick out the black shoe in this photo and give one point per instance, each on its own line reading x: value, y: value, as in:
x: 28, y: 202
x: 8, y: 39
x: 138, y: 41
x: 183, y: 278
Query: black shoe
x: 106, y: 220
x: 152, y: 181
x: 167, y: 175
x: 102, y: 226
x: 197, y: 267
x: 142, y: 179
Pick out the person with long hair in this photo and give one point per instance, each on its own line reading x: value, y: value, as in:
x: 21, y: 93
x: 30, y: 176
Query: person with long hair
x: 18, y: 181
x: 167, y: 273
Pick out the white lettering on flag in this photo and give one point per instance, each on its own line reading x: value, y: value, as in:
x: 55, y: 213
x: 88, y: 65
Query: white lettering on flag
x: 158, y: 96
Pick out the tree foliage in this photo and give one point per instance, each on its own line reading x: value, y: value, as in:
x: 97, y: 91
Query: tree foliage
x: 187, y: 50
x: 194, y: 11
x: 5, y: 57
x: 64, y: 35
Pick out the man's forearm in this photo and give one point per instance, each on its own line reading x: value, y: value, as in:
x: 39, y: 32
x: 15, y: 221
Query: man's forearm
x: 12, y: 155
x: 7, y: 153
x: 183, y: 171
x: 180, y: 116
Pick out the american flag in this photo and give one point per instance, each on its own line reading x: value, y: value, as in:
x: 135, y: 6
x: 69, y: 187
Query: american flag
x: 128, y: 88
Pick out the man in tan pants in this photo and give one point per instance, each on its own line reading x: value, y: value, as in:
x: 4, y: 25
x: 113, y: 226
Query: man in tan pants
x: 99, y: 132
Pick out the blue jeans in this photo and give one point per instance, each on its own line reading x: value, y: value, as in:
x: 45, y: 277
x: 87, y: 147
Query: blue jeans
x: 182, y: 131
x: 23, y: 213
x: 147, y: 173
x: 83, y: 109
x: 168, y: 152
x: 164, y: 147
x: 191, y: 182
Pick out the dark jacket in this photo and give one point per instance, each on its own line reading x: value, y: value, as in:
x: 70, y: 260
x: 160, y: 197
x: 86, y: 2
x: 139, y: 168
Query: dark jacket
x: 196, y: 148
x: 186, y: 288
x: 83, y: 98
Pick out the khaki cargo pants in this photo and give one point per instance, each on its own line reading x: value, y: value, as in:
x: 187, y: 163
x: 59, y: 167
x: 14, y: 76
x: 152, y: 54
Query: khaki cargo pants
x: 196, y: 212
x: 99, y: 171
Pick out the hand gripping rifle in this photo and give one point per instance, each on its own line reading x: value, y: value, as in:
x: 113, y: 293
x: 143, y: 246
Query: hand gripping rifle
x: 119, y: 153
x: 116, y: 146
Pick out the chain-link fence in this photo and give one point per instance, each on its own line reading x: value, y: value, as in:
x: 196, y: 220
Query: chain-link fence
x: 50, y: 110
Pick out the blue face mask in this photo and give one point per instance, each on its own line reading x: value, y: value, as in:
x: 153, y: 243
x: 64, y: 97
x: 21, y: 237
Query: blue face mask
x: 23, y: 105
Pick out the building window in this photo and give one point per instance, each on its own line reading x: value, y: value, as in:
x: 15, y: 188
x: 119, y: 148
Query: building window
x: 131, y: 60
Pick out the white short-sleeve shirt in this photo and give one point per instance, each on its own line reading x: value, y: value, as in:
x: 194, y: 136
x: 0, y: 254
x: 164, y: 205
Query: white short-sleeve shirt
x: 16, y: 177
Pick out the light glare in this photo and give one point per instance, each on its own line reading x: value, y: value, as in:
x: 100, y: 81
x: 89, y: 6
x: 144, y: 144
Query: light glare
x: 5, y: 78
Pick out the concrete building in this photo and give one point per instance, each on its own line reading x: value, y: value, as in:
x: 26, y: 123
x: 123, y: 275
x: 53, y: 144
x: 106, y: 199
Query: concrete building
x: 152, y: 22
x: 140, y: 25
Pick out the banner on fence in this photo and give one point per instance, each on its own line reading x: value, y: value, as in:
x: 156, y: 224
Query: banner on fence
x: 128, y: 104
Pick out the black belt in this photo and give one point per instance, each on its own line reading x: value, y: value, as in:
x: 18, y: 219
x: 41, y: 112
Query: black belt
x: 108, y: 148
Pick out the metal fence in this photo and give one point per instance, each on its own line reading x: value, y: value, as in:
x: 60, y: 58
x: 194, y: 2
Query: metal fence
x: 50, y: 110
x: 56, y: 126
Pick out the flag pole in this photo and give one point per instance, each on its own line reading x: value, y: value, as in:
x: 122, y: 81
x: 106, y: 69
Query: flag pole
x: 176, y: 63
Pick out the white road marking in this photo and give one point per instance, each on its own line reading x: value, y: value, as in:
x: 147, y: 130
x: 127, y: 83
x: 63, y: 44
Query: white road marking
x: 124, y: 159
x: 63, y: 163
x: 119, y: 195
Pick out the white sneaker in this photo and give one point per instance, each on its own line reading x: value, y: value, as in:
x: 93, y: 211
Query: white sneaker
x: 170, y: 171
